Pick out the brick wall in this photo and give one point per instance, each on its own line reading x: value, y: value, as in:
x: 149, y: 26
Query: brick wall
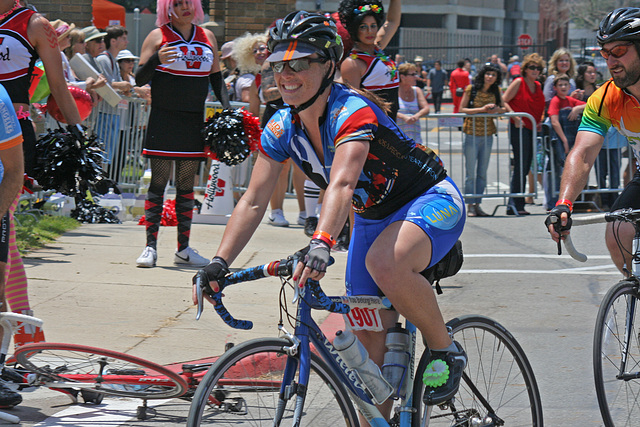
x: 71, y: 11
x: 240, y: 16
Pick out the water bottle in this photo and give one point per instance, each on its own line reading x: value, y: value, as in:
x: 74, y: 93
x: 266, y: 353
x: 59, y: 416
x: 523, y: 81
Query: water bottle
x: 397, y: 357
x: 113, y: 202
x: 356, y: 357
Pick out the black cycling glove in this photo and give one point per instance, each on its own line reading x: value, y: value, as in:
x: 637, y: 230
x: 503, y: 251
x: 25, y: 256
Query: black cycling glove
x: 216, y: 270
x: 318, y: 255
x: 555, y: 218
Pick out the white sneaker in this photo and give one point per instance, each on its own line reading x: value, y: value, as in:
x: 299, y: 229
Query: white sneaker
x: 148, y: 258
x: 302, y: 218
x: 277, y: 218
x: 190, y: 256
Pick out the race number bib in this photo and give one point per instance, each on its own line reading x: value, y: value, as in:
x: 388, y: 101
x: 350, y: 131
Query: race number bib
x: 364, y: 314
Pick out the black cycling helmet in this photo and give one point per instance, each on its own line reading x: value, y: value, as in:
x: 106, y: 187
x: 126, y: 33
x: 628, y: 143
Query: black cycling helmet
x: 621, y: 24
x: 301, y: 34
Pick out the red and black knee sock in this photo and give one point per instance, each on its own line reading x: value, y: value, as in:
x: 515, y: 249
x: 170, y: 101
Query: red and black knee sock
x: 184, y: 212
x: 160, y: 173
x: 153, y: 215
x: 185, y: 171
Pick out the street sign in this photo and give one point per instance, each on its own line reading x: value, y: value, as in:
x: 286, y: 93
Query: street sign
x: 525, y: 41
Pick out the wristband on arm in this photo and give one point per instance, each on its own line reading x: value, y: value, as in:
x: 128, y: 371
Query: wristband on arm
x: 146, y: 70
x: 565, y: 202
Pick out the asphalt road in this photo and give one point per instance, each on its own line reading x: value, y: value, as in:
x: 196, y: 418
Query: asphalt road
x: 87, y: 289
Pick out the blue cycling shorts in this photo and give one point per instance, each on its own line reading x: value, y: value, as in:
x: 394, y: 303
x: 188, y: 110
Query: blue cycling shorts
x: 440, y: 212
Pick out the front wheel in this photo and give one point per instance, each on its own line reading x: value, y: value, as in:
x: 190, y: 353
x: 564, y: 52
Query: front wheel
x: 243, y: 388
x: 59, y: 365
x: 616, y: 355
x: 498, y: 385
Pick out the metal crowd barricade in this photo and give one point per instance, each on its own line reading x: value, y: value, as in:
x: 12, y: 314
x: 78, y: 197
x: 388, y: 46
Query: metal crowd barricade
x: 444, y: 135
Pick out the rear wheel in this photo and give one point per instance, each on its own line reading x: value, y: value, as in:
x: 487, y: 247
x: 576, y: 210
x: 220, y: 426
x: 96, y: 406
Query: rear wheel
x: 97, y: 370
x: 243, y: 388
x: 616, y: 340
x: 498, y: 385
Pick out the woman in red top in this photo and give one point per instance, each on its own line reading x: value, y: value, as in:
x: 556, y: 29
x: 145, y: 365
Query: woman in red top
x: 524, y: 95
x: 458, y: 81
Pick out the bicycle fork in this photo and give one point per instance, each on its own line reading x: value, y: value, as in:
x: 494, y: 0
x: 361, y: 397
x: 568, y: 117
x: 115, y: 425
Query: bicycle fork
x: 631, y: 310
x: 289, y: 388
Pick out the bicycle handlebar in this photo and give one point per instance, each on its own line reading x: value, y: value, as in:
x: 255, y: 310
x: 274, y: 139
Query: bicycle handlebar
x: 281, y: 268
x: 626, y: 215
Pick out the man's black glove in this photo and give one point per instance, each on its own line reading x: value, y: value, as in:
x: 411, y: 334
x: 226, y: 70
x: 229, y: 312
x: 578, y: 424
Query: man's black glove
x: 216, y: 270
x: 555, y: 218
x: 318, y: 255
x: 78, y: 132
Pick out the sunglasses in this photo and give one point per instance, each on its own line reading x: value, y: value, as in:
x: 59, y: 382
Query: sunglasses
x: 259, y: 49
x: 127, y: 60
x: 296, y: 65
x: 411, y: 74
x: 616, y: 51
x: 535, y: 67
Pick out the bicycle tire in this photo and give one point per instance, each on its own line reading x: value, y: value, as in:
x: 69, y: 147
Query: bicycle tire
x: 232, y: 392
x: 498, y: 367
x: 617, y: 398
x: 60, y: 365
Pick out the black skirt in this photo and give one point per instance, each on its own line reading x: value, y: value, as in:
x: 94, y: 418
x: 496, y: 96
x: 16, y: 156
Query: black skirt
x: 174, y: 135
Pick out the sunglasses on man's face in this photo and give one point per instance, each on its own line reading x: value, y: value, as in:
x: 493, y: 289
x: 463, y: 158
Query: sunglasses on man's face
x: 617, y: 51
x: 296, y: 65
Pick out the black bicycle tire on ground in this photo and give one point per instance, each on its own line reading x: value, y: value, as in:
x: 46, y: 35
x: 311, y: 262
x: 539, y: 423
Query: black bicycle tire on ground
x: 51, y: 360
x: 270, y: 349
x: 614, y: 403
x: 509, y: 403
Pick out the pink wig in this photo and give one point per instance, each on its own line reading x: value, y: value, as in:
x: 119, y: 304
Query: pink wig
x: 164, y: 7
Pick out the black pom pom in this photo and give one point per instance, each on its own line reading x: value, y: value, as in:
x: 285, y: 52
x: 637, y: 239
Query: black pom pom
x: 63, y: 162
x: 225, y: 137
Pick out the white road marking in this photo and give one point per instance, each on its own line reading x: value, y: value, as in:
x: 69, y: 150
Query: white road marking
x: 111, y: 412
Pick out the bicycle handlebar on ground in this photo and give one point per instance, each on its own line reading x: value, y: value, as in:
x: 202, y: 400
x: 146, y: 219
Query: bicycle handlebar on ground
x: 281, y: 268
x: 626, y: 215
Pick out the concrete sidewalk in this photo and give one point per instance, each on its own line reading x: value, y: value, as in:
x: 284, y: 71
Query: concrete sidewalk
x: 88, y: 290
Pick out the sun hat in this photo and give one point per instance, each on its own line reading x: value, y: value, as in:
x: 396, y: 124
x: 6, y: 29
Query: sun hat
x: 92, y: 33
x: 226, y: 50
x: 126, y: 54
x: 62, y: 28
x: 418, y: 59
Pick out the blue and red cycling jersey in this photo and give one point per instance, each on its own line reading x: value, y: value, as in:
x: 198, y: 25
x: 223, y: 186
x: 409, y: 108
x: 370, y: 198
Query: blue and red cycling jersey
x: 396, y: 171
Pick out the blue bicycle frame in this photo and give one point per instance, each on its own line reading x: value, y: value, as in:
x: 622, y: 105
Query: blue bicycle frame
x: 308, y: 333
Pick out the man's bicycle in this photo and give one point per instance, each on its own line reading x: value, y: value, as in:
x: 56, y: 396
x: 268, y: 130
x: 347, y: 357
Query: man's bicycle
x: 616, y: 341
x: 300, y: 378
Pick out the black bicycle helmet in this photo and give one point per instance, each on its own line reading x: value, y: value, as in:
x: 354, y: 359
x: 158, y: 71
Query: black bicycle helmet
x: 302, y: 34
x: 310, y: 28
x: 621, y: 24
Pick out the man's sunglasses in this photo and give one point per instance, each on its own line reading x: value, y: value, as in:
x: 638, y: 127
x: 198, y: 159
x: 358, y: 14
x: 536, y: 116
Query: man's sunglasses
x: 616, y: 51
x: 296, y: 65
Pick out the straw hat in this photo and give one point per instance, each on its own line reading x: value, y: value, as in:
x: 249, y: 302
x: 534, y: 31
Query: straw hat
x: 418, y: 59
x: 62, y: 28
x: 91, y: 33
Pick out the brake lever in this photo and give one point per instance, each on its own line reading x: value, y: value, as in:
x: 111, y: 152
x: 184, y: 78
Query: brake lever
x: 199, y: 295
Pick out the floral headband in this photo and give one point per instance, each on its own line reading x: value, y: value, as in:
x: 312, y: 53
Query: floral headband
x: 366, y: 8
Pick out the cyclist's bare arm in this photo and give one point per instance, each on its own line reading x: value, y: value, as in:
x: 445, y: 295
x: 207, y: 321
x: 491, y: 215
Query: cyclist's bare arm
x: 576, y: 170
x: 250, y: 208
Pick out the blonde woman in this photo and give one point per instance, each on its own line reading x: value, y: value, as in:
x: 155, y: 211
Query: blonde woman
x: 561, y: 62
x: 249, y: 52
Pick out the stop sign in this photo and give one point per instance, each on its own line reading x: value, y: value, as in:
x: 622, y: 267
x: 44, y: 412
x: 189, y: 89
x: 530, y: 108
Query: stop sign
x: 524, y: 41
